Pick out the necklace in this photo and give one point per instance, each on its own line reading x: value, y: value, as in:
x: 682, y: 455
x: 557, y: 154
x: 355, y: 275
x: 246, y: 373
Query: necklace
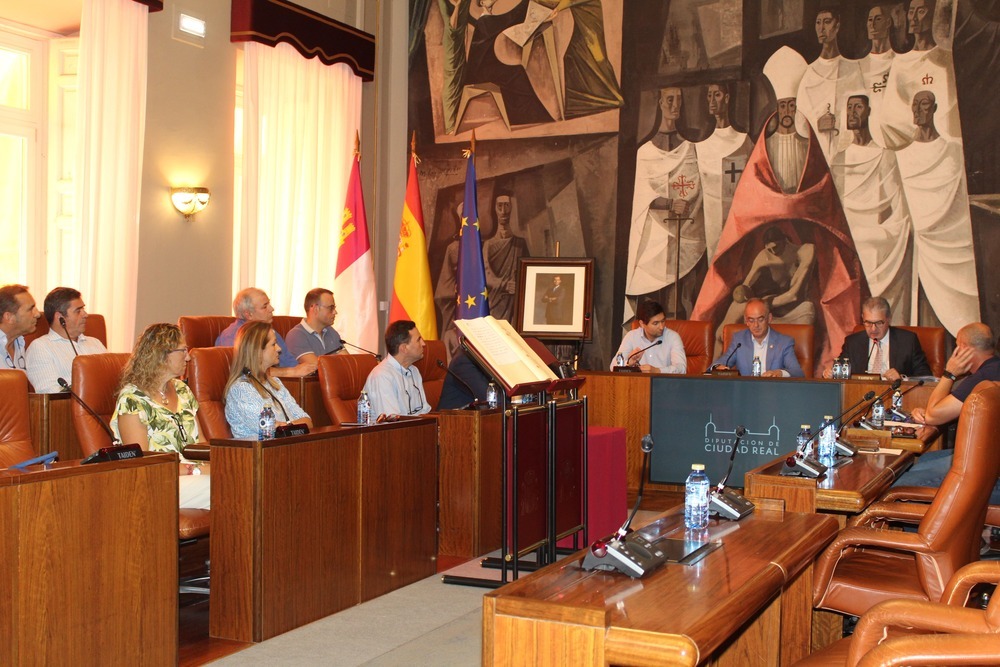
x: 163, y: 394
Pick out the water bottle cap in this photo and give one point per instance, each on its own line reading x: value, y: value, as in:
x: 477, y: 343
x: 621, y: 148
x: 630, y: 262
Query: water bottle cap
x: 267, y: 404
x: 697, y: 466
x: 806, y: 426
x: 828, y: 417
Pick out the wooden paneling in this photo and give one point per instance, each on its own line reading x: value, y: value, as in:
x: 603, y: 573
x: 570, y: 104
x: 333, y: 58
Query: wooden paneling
x: 309, y: 395
x: 621, y: 400
x: 52, y: 425
x: 469, y: 482
x: 92, y: 579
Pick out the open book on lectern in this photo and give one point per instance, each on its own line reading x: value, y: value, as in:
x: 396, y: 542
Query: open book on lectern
x: 506, y: 355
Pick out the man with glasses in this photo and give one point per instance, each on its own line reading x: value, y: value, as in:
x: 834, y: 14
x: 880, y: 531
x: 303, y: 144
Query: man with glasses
x: 50, y: 357
x: 18, y: 316
x: 395, y: 387
x: 315, y: 336
x: 881, y: 348
x: 776, y: 351
x: 652, y: 347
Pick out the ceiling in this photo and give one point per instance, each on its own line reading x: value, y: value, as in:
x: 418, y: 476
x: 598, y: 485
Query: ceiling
x: 60, y: 16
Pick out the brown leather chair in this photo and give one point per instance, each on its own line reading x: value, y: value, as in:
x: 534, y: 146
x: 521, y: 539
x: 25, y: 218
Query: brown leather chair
x: 932, y: 342
x: 208, y: 371
x: 432, y: 374
x: 910, y: 632
x: 699, y: 343
x: 284, y: 323
x: 802, y: 334
x: 96, y: 380
x: 867, y: 564
x: 96, y: 328
x: 341, y: 378
x: 202, y: 330
x: 15, y: 429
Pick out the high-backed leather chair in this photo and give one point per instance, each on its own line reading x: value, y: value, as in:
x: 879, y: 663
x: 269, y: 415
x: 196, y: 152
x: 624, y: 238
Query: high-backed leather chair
x: 96, y: 328
x: 341, y: 378
x: 699, y: 343
x: 96, y: 380
x: 866, y: 564
x: 433, y: 375
x: 15, y: 430
x: 910, y: 632
x: 803, y: 335
x: 932, y: 342
x: 202, y: 330
x: 208, y: 371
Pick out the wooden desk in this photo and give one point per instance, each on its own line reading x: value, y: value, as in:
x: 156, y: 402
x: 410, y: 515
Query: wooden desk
x: 52, y: 425
x: 89, y: 556
x: 306, y: 526
x: 470, y: 482
x: 309, y: 395
x: 747, y: 603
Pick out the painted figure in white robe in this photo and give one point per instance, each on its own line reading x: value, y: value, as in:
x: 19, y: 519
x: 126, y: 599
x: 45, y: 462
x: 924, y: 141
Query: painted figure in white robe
x: 875, y: 65
x: 867, y: 178
x: 927, y: 67
x: 825, y: 85
x: 933, y: 172
x: 722, y: 157
x: 668, y: 192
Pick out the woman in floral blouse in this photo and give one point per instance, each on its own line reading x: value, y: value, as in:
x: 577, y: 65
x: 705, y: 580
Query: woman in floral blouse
x: 158, y: 411
x: 249, y: 386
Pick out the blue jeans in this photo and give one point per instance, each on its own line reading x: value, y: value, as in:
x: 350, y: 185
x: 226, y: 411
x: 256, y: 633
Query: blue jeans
x: 930, y: 469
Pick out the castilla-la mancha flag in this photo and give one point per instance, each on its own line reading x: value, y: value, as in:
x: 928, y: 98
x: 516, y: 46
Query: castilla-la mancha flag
x: 354, y: 281
x: 412, y: 297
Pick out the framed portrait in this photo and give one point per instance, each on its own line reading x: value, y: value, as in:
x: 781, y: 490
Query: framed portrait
x: 555, y: 298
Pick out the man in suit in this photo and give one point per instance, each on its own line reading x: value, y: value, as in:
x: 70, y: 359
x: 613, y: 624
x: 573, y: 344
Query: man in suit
x: 775, y: 350
x: 883, y: 349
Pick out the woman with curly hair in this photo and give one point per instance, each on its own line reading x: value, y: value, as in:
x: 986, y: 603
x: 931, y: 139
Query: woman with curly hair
x: 249, y: 387
x: 157, y: 410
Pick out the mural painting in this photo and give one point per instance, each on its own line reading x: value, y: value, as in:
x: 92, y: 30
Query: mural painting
x: 706, y: 152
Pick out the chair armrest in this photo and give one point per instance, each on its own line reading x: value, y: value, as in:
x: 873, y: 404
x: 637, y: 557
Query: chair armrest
x: 956, y: 592
x: 199, y: 451
x: 859, y: 536
x: 993, y: 515
x: 957, y: 649
x: 919, y: 494
x: 880, y: 512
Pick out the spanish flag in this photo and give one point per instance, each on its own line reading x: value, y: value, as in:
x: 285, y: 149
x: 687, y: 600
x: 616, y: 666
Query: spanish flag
x: 354, y: 280
x: 412, y: 296
x: 473, y: 298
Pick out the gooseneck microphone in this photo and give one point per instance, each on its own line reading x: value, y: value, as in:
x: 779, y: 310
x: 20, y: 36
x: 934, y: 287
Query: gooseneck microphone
x: 727, y: 503
x: 475, y: 399
x: 250, y: 376
x: 740, y: 432
x: 639, y: 352
x: 107, y: 429
x: 900, y: 413
x: 891, y: 388
x: 361, y: 349
x: 647, y: 447
x: 62, y: 323
x: 731, y: 355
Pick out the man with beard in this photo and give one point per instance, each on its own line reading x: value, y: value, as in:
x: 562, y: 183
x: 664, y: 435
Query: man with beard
x: 502, y: 257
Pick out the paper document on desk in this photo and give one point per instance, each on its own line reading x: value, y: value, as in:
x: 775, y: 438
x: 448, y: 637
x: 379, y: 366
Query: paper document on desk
x: 881, y: 450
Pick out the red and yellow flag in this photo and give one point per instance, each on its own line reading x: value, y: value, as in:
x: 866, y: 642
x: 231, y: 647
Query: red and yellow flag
x: 412, y: 296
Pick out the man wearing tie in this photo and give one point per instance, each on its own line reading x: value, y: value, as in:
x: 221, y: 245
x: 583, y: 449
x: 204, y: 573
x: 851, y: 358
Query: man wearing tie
x: 883, y: 349
x: 652, y: 347
x: 776, y: 351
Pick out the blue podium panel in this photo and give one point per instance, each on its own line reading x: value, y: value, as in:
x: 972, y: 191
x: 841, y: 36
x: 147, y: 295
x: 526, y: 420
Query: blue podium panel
x: 693, y: 420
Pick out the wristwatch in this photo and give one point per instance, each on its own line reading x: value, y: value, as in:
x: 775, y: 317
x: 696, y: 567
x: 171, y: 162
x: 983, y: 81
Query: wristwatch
x: 950, y: 376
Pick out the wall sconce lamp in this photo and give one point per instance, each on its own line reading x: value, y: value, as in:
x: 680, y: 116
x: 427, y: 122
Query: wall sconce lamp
x: 189, y: 201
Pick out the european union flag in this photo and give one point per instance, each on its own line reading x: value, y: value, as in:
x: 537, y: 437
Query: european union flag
x: 472, y: 296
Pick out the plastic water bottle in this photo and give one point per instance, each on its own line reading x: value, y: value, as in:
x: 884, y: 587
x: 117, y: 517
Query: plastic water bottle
x: 802, y: 440
x: 878, y: 413
x: 364, y: 409
x: 755, y: 368
x: 838, y: 373
x: 897, y: 400
x: 845, y: 369
x: 827, y: 441
x: 491, y: 394
x: 266, y: 423
x: 620, y: 360
x: 696, y: 498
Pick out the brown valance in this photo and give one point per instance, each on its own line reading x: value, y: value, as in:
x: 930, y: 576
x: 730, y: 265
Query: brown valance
x: 154, y: 5
x: 311, y: 34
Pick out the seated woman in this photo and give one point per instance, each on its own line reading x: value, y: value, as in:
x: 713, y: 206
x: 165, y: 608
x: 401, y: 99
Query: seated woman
x: 157, y: 411
x: 255, y: 351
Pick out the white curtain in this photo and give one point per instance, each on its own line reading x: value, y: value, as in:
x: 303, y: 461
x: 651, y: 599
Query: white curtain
x: 300, y: 120
x: 112, y: 98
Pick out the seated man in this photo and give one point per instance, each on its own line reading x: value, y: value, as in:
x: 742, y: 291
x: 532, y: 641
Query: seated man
x: 882, y: 349
x: 252, y: 304
x: 775, y: 350
x: 464, y: 383
x: 51, y: 356
x: 974, y: 360
x: 18, y: 316
x: 395, y: 386
x: 315, y: 336
x: 667, y: 354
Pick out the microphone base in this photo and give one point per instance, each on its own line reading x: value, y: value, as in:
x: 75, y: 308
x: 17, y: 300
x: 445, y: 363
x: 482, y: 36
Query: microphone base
x: 627, y: 369
x: 730, y: 505
x: 727, y: 373
x: 805, y: 466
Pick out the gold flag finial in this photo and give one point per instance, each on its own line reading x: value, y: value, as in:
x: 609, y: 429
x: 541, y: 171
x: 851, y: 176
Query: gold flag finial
x: 357, y: 144
x: 472, y: 142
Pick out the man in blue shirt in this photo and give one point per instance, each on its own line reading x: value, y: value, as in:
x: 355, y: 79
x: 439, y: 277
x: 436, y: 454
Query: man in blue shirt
x: 315, y: 336
x: 395, y: 386
x: 250, y: 305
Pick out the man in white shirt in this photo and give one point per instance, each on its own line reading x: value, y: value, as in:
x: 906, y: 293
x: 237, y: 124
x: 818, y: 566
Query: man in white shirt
x: 51, y: 356
x: 652, y: 347
x: 18, y: 316
x: 315, y: 336
x: 395, y: 387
